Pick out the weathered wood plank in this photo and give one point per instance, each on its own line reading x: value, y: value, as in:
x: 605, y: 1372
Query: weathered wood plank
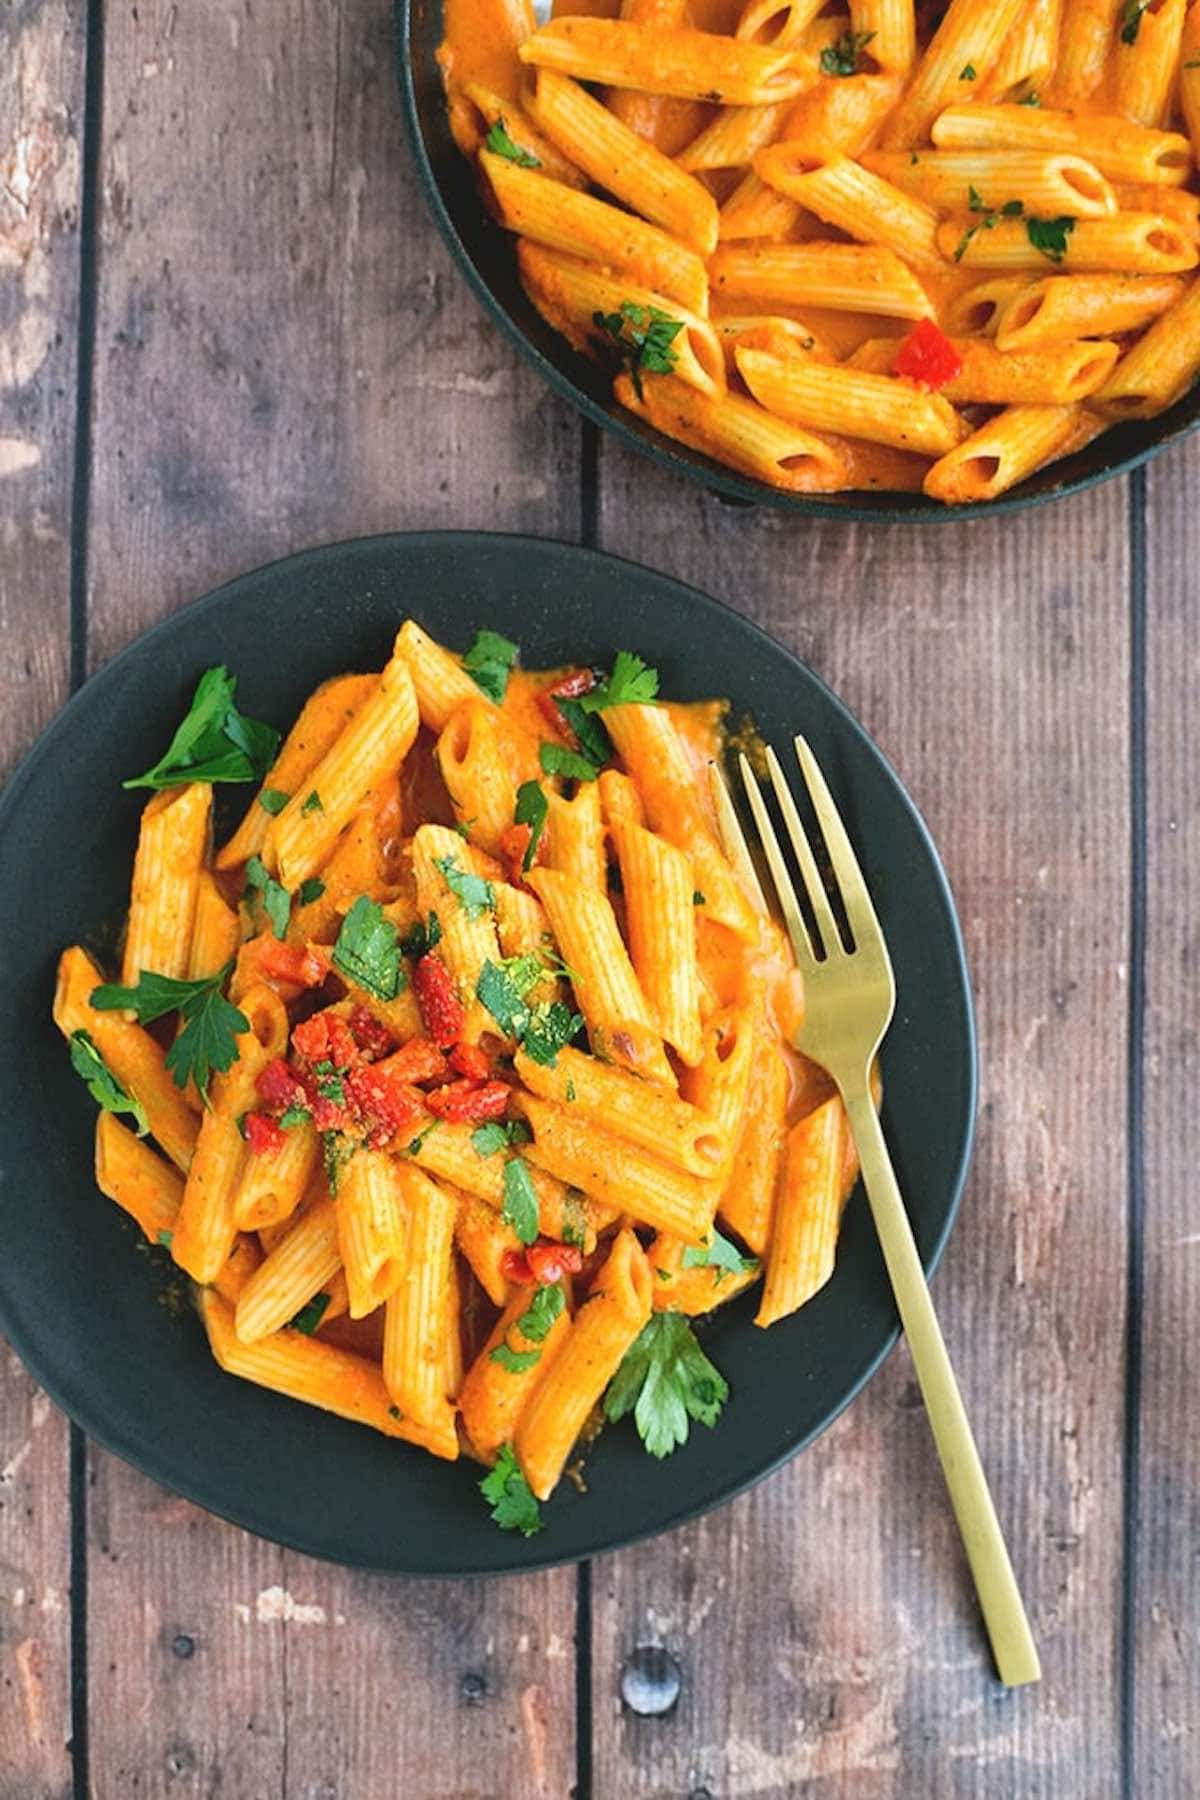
x: 1167, y: 1741
x: 824, y: 1623
x: 41, y: 104
x: 285, y: 356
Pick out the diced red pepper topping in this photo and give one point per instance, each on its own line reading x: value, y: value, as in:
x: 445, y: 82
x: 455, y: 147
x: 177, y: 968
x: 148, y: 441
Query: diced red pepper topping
x: 418, y: 1060
x: 290, y: 962
x: 326, y: 1037
x: 568, y: 687
x: 927, y: 355
x: 466, y: 1100
x: 280, y: 1087
x: 370, y: 1034
x: 469, y: 1061
x: 545, y: 1262
x: 262, y: 1133
x: 437, y: 997
x: 383, y: 1106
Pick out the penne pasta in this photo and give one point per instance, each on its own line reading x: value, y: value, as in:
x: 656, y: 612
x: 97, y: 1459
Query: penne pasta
x: 1070, y: 306
x: 1124, y: 243
x: 847, y: 195
x: 1160, y: 367
x: 804, y: 1234
x: 1046, y: 182
x: 1002, y: 452
x: 142, y: 1184
x: 677, y: 1131
x: 574, y: 837
x: 504, y: 1377
x: 1119, y: 149
x: 1028, y: 55
x: 747, y: 1199
x: 1146, y: 60
x: 660, y: 911
x: 1057, y: 374
x: 375, y: 1229
x: 962, y: 51
x: 172, y: 846
x: 841, y: 277
x: 693, y: 65
x: 416, y: 1329
x: 852, y: 402
x: 302, y: 1265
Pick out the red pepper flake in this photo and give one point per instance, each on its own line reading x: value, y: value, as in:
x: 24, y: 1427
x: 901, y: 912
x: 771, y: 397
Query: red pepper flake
x: 418, y: 1060
x: 370, y: 1034
x: 467, y: 1101
x: 326, y: 1037
x: 567, y: 687
x: 927, y: 355
x: 441, y: 1009
x: 262, y: 1134
x: 280, y: 1087
x: 544, y: 1262
x: 290, y: 962
x: 469, y: 1061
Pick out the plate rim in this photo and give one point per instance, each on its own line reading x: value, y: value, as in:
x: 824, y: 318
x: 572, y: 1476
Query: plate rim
x: 12, y: 1323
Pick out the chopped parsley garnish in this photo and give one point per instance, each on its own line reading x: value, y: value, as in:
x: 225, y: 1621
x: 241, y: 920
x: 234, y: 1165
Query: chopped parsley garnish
x: 991, y: 216
x: 515, y: 1361
x: 294, y: 1115
x: 719, y: 1254
x: 531, y: 809
x: 503, y: 999
x: 632, y: 682
x: 411, y: 1148
x: 510, y: 1496
x: 309, y: 890
x: 273, y: 801
x: 208, y: 1040
x: 666, y: 1379
x: 367, y: 950
x: 645, y: 337
x: 520, y: 1209
x: 534, y: 1324
x: 394, y: 1412
x: 1131, y: 19
x: 501, y: 144
x: 313, y: 804
x: 336, y: 1151
x: 841, y: 58
x: 548, y: 1030
x: 275, y: 900
x: 594, y: 740
x: 487, y: 1139
x: 422, y: 938
x: 570, y: 1089
x: 968, y: 72
x: 310, y: 1316
x: 574, y: 1217
x: 102, y: 1084
x: 475, y: 895
x: 330, y: 1083
x: 1030, y: 99
x: 488, y: 662
x: 542, y: 1030
x: 1050, y: 236
x: 165, y: 1238
x: 698, y: 898
x: 557, y: 760
x: 215, y: 742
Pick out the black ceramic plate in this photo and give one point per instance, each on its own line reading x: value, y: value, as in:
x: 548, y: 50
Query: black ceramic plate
x: 85, y: 1308
x: 485, y: 255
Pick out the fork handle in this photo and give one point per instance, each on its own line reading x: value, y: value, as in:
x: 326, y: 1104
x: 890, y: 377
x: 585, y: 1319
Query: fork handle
x: 999, y: 1597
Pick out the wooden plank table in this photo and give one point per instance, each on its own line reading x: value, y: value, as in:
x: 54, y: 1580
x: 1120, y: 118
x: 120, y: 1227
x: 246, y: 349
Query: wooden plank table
x: 227, y: 330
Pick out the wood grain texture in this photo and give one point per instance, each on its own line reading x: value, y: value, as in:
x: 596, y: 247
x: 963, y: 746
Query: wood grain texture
x: 1167, y: 1572
x: 284, y: 357
x: 41, y: 95
x: 824, y: 1623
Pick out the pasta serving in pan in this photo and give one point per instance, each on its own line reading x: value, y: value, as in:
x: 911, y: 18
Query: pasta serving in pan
x: 852, y: 249
x: 465, y: 1057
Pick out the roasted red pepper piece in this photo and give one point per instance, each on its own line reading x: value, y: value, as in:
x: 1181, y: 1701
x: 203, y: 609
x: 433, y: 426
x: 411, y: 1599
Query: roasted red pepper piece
x: 290, y: 962
x: 469, y: 1061
x: 380, y: 1104
x: 567, y: 687
x: 326, y: 1037
x: 545, y: 1262
x: 262, y: 1133
x: 370, y: 1034
x: 442, y: 1010
x: 280, y: 1087
x: 466, y: 1100
x: 418, y: 1060
x: 927, y: 355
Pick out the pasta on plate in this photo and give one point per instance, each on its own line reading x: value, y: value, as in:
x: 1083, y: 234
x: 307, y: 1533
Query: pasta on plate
x: 887, y: 248
x: 466, y: 1057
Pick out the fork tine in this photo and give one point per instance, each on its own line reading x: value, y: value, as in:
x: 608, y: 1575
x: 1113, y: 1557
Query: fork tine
x: 733, y: 838
x: 793, y: 918
x: 856, y: 897
x: 814, y: 886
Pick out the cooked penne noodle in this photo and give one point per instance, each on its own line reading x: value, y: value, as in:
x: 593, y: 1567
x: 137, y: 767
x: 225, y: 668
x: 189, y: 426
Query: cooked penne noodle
x: 620, y: 801
x: 976, y: 312
x: 1086, y: 38
x: 681, y: 1285
x: 301, y: 1265
x: 1189, y: 77
x: 852, y: 402
x: 1028, y: 55
x: 584, y: 226
x: 273, y: 1182
x: 142, y: 1184
x: 694, y: 65
x: 1160, y: 367
x: 513, y: 116
x: 216, y: 930
x: 840, y: 118
x: 617, y: 1308
x: 804, y: 1236
x: 1173, y: 203
x: 888, y: 31
x: 655, y: 118
x: 856, y: 201
x: 1002, y: 452
x: 754, y: 210
x: 574, y: 837
x: 1071, y: 306
x: 674, y: 1130
x: 841, y: 277
x: 1121, y: 150
x: 961, y: 52
x: 1125, y: 243
x: 719, y: 1085
x: 472, y: 756
x: 172, y: 846
x: 776, y: 22
x: 622, y: 163
x: 768, y: 331
x: 498, y: 1386
x: 239, y: 1266
x: 375, y: 1229
x: 445, y: 1150
x: 1147, y: 61
x: 439, y: 679
x: 733, y: 137
x: 468, y: 931
x: 660, y: 912
x: 1054, y: 374
x: 747, y: 1200
x: 485, y: 1241
x: 1046, y: 182
x: 737, y: 432
x: 417, y: 1325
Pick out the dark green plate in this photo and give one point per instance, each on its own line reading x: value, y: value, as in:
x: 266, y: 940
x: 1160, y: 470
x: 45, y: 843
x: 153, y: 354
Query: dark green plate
x: 84, y: 1306
x: 484, y: 254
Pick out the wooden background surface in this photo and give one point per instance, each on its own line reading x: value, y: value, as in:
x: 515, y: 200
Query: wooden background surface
x: 228, y: 330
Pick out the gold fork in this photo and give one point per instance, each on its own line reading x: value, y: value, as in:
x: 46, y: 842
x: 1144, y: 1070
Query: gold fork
x: 850, y: 995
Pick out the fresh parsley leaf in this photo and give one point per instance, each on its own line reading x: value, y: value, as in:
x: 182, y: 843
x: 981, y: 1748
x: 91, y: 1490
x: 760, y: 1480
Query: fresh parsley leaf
x: 1050, y: 236
x: 336, y: 1151
x: 975, y: 199
x: 720, y: 1254
x: 698, y: 898
x: 313, y: 803
x: 1030, y: 99
x: 411, y: 1148
x: 276, y: 901
x: 424, y: 936
x: 520, y: 1209
x: 463, y: 828
x: 487, y: 1139
x: 968, y: 72
x: 549, y: 1028
x: 510, y: 1496
x: 645, y: 337
x: 394, y: 1412
x: 500, y: 144
x: 211, y: 1024
x: 593, y: 736
x: 475, y: 895
x: 294, y: 1115
x: 1131, y: 19
x: 666, y: 1379
x: 574, y: 1219
x: 535, y: 1322
x: 102, y: 1084
x: 367, y: 950
x: 515, y: 1361
x: 310, y: 1316
x: 556, y: 760
x: 215, y: 742
x: 503, y: 998
x: 166, y: 1239
x: 309, y: 890
x: 632, y: 682
x: 570, y: 1089
x: 842, y: 57
x: 488, y: 662
x: 531, y: 809
x: 272, y: 801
